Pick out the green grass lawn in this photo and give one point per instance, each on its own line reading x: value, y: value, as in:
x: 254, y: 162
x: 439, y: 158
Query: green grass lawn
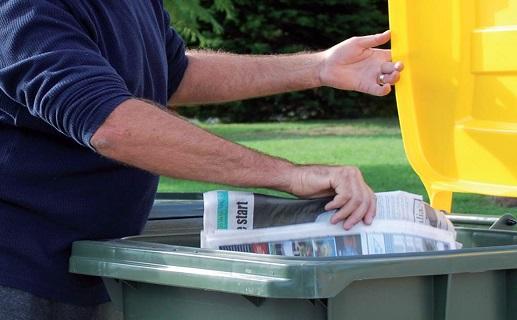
x: 375, y: 146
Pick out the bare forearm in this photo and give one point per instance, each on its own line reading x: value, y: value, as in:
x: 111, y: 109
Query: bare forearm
x: 144, y: 136
x: 353, y: 64
x: 213, y: 77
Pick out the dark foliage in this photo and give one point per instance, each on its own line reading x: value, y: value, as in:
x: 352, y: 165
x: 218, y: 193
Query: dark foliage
x: 286, y: 26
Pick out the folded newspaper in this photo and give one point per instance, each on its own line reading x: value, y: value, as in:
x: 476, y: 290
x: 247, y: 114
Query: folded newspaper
x: 248, y: 222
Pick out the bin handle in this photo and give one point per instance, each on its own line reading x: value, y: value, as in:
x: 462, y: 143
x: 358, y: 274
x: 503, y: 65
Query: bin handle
x: 505, y: 222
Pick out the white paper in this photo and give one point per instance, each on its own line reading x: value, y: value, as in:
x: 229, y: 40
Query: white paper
x: 403, y: 223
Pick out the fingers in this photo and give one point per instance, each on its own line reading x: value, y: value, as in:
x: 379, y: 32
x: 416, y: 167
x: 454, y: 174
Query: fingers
x: 381, y: 90
x: 372, y: 210
x: 361, y: 211
x: 389, y: 75
x: 374, y: 40
x: 354, y: 206
x: 357, y: 215
x: 399, y: 66
x: 338, y: 202
x: 391, y: 71
x: 356, y: 201
x: 391, y: 78
x: 353, y: 199
x: 345, y: 184
x: 390, y: 67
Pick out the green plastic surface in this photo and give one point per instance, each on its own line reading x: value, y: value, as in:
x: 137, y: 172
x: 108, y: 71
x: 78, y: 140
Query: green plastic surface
x: 161, y: 277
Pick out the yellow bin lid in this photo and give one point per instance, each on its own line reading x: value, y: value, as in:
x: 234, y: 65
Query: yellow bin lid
x: 457, y: 97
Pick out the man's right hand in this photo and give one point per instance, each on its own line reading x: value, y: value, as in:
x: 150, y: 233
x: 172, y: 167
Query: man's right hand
x: 353, y: 198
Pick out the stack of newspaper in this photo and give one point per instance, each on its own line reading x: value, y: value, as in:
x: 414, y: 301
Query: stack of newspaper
x: 247, y: 222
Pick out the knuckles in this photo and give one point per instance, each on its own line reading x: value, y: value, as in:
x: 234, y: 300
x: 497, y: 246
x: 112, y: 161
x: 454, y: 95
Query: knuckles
x: 348, y: 172
x: 356, y: 202
x: 352, y: 40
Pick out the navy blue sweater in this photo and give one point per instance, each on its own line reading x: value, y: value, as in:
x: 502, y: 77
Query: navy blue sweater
x: 65, y: 65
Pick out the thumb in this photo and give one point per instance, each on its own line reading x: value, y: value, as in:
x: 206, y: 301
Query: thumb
x: 374, y: 40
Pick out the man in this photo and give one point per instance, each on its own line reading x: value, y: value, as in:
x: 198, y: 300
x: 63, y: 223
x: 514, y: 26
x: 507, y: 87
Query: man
x: 82, y: 139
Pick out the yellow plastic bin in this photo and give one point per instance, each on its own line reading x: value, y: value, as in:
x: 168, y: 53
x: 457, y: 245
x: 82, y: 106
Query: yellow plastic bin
x: 457, y: 98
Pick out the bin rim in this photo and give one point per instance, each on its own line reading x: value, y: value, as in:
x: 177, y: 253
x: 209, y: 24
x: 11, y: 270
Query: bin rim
x: 275, y: 276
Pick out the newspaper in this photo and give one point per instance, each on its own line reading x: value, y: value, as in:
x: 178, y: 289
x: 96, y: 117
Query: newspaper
x: 404, y: 223
x: 234, y: 210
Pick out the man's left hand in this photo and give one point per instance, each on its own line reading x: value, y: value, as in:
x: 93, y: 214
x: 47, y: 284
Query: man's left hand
x: 355, y: 64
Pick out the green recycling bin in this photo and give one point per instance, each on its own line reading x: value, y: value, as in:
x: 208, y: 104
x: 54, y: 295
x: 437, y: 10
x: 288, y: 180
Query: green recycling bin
x: 168, y: 277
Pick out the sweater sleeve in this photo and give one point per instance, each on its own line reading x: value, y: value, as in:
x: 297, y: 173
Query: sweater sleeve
x: 50, y: 65
x: 177, y: 61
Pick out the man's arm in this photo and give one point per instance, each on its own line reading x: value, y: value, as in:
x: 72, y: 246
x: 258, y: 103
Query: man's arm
x: 142, y: 135
x: 213, y: 77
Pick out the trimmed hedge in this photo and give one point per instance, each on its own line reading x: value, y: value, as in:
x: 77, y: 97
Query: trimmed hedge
x: 286, y: 26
